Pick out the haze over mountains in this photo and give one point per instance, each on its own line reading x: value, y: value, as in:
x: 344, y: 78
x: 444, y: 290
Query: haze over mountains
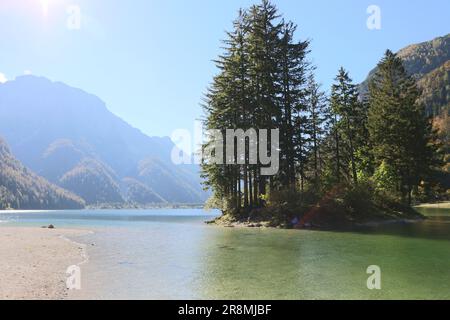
x: 71, y: 139
x: 21, y: 188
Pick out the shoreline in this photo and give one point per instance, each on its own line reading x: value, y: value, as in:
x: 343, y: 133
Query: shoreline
x: 324, y: 224
x: 33, y: 262
x: 228, y: 221
x: 268, y: 225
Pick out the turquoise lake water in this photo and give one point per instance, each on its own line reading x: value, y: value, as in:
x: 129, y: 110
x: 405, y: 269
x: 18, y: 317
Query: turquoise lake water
x: 172, y: 254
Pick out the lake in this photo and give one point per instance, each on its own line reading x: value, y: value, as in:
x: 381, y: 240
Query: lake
x: 172, y: 254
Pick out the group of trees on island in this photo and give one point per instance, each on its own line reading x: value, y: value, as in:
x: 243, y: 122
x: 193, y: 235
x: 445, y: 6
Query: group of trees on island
x: 381, y: 143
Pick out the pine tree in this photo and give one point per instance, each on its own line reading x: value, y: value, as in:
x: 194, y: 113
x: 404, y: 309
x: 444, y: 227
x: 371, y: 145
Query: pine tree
x: 293, y: 68
x: 347, y: 116
x: 264, y: 47
x: 399, y: 130
x: 318, y: 120
x: 226, y: 106
x: 261, y: 85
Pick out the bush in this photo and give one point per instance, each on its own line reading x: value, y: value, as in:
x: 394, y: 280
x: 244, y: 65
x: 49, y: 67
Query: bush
x: 358, y: 201
x: 384, y: 179
x: 223, y: 204
x: 291, y: 201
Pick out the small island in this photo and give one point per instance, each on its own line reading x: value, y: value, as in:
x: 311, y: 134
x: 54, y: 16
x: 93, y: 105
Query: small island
x: 339, y: 212
x: 362, y: 154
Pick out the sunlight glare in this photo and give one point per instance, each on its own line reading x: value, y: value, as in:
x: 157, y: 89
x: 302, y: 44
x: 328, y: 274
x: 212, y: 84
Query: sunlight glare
x: 45, y: 4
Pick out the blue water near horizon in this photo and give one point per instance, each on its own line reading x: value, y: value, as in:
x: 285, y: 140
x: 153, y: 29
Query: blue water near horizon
x: 104, y: 218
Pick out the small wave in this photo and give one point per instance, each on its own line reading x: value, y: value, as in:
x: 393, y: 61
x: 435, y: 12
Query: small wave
x: 7, y: 219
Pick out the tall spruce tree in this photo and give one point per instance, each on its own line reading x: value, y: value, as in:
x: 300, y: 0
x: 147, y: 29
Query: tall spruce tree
x: 399, y: 130
x: 317, y: 124
x: 261, y: 85
x: 347, y: 112
x: 264, y: 48
x: 226, y: 106
x: 293, y: 84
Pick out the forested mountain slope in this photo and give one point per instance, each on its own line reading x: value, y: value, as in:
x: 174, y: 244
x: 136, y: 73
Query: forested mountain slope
x: 20, y: 188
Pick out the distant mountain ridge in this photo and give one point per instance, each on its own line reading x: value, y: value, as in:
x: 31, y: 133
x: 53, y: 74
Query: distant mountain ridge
x: 70, y: 138
x: 21, y: 188
x: 429, y: 63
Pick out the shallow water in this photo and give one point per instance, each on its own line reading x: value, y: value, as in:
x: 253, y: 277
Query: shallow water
x: 172, y: 254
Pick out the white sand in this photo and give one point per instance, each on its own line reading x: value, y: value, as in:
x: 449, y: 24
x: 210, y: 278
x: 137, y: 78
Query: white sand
x: 33, y: 262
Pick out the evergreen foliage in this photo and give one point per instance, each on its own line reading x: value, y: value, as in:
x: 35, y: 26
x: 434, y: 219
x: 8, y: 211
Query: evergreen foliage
x: 341, y: 154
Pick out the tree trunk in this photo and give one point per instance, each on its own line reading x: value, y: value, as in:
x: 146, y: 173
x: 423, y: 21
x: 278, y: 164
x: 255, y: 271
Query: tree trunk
x: 245, y: 187
x: 338, y: 160
x: 250, y: 188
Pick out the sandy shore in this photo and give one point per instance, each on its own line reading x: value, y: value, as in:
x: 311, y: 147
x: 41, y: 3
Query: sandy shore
x: 33, y: 262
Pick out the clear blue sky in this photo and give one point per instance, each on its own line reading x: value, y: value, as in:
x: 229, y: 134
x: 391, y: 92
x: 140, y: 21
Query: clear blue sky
x: 150, y: 60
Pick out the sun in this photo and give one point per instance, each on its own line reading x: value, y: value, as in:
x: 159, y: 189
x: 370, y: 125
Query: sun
x: 45, y: 4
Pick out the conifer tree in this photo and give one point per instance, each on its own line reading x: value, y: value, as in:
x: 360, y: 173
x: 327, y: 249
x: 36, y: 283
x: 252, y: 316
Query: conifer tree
x: 261, y: 85
x: 347, y: 115
x: 318, y: 120
x: 293, y: 85
x: 399, y: 130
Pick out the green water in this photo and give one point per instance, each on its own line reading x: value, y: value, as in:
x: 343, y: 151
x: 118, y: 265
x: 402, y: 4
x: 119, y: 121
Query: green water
x: 326, y: 265
x: 174, y: 255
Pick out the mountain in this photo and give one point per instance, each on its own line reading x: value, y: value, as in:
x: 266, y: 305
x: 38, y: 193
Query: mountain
x: 429, y: 63
x: 137, y: 192
x: 436, y: 89
x: 420, y: 59
x: 70, y: 138
x: 162, y: 179
x: 20, y: 188
x: 92, y: 181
